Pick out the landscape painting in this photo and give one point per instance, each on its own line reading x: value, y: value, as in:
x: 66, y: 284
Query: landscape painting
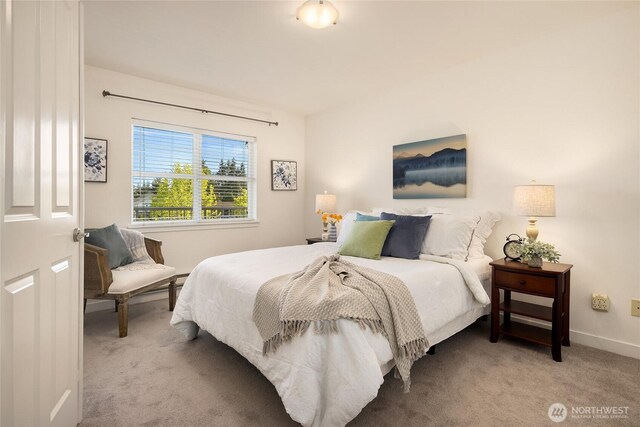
x: 435, y: 168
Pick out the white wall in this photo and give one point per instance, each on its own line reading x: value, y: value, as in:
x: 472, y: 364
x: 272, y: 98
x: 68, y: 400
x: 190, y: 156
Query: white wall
x: 110, y: 118
x: 564, y: 110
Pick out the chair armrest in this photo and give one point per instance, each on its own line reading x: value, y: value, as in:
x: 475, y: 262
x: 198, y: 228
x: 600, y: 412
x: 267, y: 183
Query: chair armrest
x: 154, y: 248
x: 97, y: 274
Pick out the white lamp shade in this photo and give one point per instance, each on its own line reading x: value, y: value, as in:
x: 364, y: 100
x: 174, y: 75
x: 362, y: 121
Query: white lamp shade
x: 534, y: 200
x: 326, y: 203
x: 317, y: 13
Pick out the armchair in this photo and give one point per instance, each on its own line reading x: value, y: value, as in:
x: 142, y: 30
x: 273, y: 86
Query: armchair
x: 100, y: 282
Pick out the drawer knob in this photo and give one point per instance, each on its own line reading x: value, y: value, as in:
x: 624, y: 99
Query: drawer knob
x: 523, y: 282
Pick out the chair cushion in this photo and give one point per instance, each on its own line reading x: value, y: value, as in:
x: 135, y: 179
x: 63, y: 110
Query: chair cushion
x: 127, y: 280
x: 111, y: 239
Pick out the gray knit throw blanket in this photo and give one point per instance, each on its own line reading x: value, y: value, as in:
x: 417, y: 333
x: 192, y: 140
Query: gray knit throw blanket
x: 331, y: 288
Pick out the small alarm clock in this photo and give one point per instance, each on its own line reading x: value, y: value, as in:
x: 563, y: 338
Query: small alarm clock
x: 513, y: 248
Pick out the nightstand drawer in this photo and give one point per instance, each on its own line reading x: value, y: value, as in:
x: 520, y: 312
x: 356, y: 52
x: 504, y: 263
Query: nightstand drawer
x: 526, y: 283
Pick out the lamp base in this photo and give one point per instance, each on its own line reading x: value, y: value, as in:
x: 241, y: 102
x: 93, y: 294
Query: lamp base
x: 532, y: 230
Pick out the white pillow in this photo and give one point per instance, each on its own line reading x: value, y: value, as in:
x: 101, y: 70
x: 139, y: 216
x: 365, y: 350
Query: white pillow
x: 399, y: 211
x: 450, y: 235
x: 135, y: 242
x: 488, y: 220
x: 345, y: 225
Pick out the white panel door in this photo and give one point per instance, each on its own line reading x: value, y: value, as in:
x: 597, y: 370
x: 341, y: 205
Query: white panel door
x: 40, y: 206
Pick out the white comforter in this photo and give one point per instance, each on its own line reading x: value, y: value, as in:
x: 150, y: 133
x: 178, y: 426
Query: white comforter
x: 323, y: 380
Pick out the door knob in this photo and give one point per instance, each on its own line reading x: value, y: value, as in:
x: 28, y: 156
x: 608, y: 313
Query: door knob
x: 79, y: 235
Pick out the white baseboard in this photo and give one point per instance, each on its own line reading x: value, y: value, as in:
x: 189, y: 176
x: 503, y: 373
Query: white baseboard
x: 606, y: 344
x: 590, y: 340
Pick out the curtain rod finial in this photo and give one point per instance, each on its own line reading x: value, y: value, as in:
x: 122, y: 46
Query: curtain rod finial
x: 105, y: 93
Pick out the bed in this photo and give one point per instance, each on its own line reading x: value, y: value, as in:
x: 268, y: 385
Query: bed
x: 326, y: 380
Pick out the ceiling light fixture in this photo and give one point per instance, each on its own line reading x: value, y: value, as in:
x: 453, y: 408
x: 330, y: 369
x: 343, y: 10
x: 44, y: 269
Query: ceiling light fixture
x: 317, y: 13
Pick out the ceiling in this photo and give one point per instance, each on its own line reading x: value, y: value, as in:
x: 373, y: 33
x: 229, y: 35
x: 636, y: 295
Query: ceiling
x: 256, y: 51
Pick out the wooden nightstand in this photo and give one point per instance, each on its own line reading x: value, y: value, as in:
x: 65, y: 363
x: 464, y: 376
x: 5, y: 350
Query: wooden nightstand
x: 312, y: 240
x: 551, y: 281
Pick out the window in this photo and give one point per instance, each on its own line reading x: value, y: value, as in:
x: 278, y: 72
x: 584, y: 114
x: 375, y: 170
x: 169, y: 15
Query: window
x: 190, y: 176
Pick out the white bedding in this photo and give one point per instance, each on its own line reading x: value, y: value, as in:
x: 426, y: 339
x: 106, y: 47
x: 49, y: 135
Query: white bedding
x: 323, y: 380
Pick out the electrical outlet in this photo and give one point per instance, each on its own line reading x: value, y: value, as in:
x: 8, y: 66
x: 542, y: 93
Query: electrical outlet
x: 635, y: 307
x: 600, y: 302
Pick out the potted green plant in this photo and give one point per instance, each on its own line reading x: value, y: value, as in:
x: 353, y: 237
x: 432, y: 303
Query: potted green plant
x: 534, y: 251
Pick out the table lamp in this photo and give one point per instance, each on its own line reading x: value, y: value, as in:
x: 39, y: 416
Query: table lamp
x: 325, y: 203
x: 534, y: 200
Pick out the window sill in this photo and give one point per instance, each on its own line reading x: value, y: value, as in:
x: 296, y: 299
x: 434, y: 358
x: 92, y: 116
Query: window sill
x: 192, y: 226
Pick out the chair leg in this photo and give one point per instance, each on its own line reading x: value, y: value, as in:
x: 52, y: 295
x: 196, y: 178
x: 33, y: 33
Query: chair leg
x: 123, y: 314
x: 172, y: 294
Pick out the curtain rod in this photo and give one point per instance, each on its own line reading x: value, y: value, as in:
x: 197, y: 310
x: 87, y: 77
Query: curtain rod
x: 106, y: 93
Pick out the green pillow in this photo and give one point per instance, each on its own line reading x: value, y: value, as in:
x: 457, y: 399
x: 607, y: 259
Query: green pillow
x: 366, y: 239
x: 111, y: 239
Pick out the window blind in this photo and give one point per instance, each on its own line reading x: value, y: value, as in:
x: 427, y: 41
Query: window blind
x: 182, y: 175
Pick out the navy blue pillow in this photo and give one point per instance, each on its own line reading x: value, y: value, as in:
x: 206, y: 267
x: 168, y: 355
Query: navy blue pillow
x: 406, y: 236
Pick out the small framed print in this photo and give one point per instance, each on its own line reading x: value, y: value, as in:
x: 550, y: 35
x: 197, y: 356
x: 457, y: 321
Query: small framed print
x: 284, y: 175
x: 95, y: 160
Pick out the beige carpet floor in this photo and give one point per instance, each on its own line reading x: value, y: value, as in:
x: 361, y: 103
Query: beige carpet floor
x: 154, y: 377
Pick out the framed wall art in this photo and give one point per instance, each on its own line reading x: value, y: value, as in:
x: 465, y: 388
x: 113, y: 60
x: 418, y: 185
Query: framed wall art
x: 284, y: 175
x: 95, y: 160
x: 434, y: 168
